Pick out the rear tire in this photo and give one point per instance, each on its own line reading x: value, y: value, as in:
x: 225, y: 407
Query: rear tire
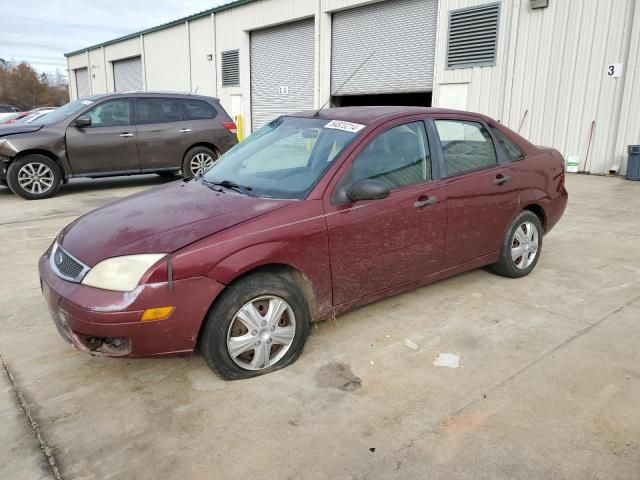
x: 34, y: 177
x: 521, y: 247
x: 196, y: 159
x: 240, y: 320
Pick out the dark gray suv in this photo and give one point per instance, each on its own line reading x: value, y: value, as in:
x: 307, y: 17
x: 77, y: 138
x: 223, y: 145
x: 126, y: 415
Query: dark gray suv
x: 114, y: 134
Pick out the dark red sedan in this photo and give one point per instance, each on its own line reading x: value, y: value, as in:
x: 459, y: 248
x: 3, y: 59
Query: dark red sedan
x: 312, y: 215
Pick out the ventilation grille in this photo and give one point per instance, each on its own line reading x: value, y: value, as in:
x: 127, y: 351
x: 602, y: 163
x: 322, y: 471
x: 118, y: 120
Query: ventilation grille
x: 65, y: 265
x: 230, y: 68
x: 473, y: 36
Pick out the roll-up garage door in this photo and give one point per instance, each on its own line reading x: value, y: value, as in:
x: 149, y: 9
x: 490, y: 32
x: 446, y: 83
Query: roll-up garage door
x: 402, y: 33
x: 82, y: 82
x: 127, y: 74
x: 282, y: 60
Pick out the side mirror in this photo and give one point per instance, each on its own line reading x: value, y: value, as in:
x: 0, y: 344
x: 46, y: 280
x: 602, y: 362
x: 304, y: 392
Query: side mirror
x: 367, y: 189
x: 83, y: 121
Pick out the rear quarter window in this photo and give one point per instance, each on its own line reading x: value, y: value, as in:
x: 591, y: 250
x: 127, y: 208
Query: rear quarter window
x: 513, y: 151
x: 199, y: 110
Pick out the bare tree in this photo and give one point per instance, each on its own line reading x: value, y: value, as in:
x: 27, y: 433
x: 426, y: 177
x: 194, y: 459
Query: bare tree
x: 22, y: 87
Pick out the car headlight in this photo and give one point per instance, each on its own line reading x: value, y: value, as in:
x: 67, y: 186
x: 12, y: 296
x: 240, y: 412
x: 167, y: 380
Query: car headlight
x: 121, y: 274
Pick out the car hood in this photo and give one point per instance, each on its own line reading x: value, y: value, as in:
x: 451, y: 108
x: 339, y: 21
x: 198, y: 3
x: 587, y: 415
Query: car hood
x: 160, y: 220
x: 20, y: 128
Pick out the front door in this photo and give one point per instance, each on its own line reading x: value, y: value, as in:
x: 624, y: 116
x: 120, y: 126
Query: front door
x: 108, y: 145
x: 482, y: 198
x: 378, y: 244
x: 164, y: 133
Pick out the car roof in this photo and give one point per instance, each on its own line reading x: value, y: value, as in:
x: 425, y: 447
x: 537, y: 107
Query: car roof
x: 146, y: 93
x: 367, y: 115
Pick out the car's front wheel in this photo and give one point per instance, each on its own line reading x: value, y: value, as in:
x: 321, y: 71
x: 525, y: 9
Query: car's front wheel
x: 258, y: 325
x: 521, y: 246
x: 34, y: 177
x: 198, y: 159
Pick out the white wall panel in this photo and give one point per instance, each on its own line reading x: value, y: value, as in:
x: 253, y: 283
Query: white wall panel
x: 167, y: 63
x: 202, y: 43
x: 551, y: 74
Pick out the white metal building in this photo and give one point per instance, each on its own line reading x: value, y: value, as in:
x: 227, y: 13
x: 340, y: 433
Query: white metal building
x: 565, y: 73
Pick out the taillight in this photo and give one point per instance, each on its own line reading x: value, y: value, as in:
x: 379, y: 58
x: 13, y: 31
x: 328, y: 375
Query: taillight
x: 231, y: 126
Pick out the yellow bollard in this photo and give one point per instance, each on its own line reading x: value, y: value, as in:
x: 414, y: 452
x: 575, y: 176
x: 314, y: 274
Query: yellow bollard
x: 238, y: 121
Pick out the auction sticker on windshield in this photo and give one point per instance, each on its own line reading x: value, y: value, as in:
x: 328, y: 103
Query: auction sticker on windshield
x: 346, y: 126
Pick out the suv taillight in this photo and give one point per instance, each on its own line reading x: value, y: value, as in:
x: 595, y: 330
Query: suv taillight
x: 231, y: 126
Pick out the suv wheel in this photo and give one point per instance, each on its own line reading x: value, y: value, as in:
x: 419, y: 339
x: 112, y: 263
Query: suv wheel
x: 259, y: 325
x: 34, y: 177
x: 198, y: 159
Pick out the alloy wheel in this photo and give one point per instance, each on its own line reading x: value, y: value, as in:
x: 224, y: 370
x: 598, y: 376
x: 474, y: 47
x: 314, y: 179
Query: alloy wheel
x: 36, y: 178
x: 261, y: 332
x: 201, y: 162
x: 524, y: 245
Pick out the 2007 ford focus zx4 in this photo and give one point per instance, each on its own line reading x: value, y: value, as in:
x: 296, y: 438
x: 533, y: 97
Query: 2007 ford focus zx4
x: 312, y: 215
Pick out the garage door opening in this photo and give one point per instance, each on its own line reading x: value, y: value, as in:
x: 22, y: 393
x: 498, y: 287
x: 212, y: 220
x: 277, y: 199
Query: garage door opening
x: 416, y: 99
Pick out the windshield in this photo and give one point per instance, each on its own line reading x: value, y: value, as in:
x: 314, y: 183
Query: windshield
x: 285, y: 158
x: 62, y: 112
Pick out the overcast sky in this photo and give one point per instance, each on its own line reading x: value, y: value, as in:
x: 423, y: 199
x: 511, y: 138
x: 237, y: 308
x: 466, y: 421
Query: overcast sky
x: 40, y: 32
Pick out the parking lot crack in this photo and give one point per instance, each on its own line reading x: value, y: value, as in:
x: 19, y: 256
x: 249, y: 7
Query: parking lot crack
x: 46, y: 449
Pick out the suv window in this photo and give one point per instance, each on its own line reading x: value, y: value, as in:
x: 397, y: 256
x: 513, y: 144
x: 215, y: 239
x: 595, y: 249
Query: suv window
x: 513, y: 151
x: 157, y: 110
x: 112, y: 113
x: 466, y: 146
x: 399, y: 156
x: 199, y: 109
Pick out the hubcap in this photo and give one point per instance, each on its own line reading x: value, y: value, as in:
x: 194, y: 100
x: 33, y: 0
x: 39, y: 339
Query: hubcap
x: 35, y: 178
x: 201, y: 162
x: 524, y: 245
x: 261, y: 333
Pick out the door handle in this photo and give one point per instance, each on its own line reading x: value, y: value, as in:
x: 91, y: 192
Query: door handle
x: 424, y: 201
x: 185, y: 130
x: 500, y: 179
x: 126, y: 135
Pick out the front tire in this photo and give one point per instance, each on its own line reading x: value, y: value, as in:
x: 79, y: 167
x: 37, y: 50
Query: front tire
x: 521, y: 246
x: 34, y: 177
x: 258, y: 325
x: 198, y: 159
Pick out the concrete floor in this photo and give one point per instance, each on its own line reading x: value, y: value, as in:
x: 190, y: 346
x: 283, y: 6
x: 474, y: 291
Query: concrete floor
x: 548, y: 384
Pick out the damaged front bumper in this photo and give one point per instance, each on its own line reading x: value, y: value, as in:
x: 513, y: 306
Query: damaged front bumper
x: 108, y: 323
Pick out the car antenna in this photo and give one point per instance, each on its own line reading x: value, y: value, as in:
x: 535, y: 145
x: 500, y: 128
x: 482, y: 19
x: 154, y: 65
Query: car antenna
x: 317, y: 112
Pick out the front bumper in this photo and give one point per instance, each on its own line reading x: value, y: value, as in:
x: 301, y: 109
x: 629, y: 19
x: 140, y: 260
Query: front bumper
x: 81, y: 313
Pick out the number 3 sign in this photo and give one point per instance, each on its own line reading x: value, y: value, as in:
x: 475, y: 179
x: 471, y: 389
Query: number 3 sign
x: 614, y: 70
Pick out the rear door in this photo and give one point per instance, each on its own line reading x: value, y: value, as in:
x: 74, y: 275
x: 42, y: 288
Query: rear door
x: 109, y: 145
x: 379, y: 244
x: 481, y: 194
x: 164, y: 133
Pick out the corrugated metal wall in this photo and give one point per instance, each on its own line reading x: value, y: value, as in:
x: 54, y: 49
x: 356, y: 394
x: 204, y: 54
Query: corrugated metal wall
x: 399, y: 36
x: 550, y: 77
x: 282, y: 61
x: 83, y: 87
x: 127, y: 75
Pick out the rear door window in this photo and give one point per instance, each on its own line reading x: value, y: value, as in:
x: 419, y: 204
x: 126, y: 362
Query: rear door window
x: 199, y: 109
x: 466, y: 146
x: 157, y: 110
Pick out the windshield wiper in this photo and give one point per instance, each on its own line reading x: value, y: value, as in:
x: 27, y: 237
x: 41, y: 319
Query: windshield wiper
x: 230, y: 184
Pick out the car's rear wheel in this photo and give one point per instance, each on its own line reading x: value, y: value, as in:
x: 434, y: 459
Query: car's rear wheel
x: 198, y: 159
x: 34, y: 177
x: 521, y: 246
x: 258, y: 325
